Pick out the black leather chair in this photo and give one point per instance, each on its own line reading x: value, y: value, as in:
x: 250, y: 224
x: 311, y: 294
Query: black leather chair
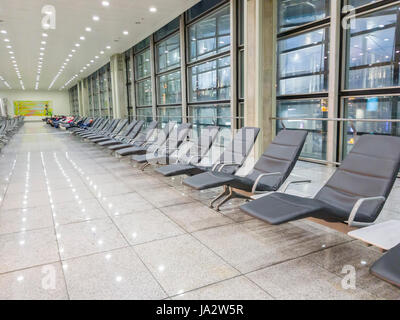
x: 195, y: 154
x: 387, y: 268
x: 355, y: 194
x: 269, y: 173
x: 130, y: 132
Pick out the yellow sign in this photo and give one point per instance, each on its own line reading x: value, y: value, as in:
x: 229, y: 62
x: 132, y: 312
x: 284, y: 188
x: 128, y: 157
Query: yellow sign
x: 33, y: 108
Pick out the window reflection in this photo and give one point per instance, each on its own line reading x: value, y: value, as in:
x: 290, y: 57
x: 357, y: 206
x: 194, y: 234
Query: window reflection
x: 211, y: 115
x: 142, y: 65
x: 145, y: 114
x: 385, y: 107
x: 169, y: 88
x: 168, y: 54
x: 303, y: 63
x: 210, y: 81
x: 144, y: 94
x: 315, y: 146
x: 166, y: 114
x: 210, y: 35
x: 373, y: 52
x: 294, y: 13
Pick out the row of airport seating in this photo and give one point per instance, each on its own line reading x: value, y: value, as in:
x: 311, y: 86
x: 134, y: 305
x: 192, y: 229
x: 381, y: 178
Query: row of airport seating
x: 8, y: 127
x: 355, y: 194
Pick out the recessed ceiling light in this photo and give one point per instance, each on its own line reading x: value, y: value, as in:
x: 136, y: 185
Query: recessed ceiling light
x: 70, y: 55
x: 96, y: 18
x: 153, y: 9
x: 91, y: 61
x: 42, y: 49
x: 6, y: 40
x: 73, y: 50
x: 43, y: 42
x: 42, y: 54
x: 45, y: 35
x: 82, y: 38
x: 101, y: 52
x: 77, y: 45
x: 108, y: 47
x: 11, y: 52
x: 88, y: 29
x: 96, y: 57
x: 67, y: 60
x: 9, y: 47
x: 3, y: 31
x: 105, y: 3
x: 125, y: 32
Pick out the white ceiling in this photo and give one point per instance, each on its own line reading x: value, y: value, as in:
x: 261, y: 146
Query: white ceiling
x: 22, y: 20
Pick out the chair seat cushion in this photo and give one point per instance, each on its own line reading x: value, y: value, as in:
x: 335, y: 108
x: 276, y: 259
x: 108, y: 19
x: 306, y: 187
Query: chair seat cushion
x: 120, y: 146
x: 131, y: 150
x: 208, y: 180
x: 246, y: 184
x: 278, y: 208
x: 101, y: 139
x: 178, y: 169
x: 108, y: 143
x: 387, y: 268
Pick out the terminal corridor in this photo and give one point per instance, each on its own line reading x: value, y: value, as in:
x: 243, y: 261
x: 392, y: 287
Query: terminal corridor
x: 77, y: 223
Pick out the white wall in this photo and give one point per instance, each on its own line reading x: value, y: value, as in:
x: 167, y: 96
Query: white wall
x: 59, y: 99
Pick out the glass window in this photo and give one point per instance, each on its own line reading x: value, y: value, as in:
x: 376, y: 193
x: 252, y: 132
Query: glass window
x: 210, y: 81
x: 359, y: 3
x: 145, y: 114
x: 303, y: 63
x: 141, y: 45
x: 169, y: 88
x: 294, y: 13
x: 167, y: 29
x: 241, y: 114
x: 142, y: 65
x: 372, y: 50
x: 201, y: 7
x: 166, y: 114
x: 143, y: 92
x: 168, y: 54
x: 212, y: 115
x: 384, y: 107
x: 210, y: 35
x: 315, y: 146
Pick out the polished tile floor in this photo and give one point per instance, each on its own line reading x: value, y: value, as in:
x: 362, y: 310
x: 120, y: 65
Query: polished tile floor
x: 76, y: 223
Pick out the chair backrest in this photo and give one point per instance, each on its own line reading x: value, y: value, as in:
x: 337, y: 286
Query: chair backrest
x: 128, y: 129
x: 120, y: 125
x: 177, y: 135
x: 369, y: 170
x: 135, y: 131
x: 113, y: 125
x: 280, y: 156
x: 239, y: 148
x: 146, y: 135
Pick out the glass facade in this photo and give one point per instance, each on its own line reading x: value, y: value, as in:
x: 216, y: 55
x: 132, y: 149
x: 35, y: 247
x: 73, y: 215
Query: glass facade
x: 168, y: 54
x: 169, y: 88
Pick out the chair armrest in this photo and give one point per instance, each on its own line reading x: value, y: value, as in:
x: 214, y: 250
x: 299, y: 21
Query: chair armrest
x: 286, y: 185
x: 357, y: 206
x: 221, y: 165
x: 254, y: 189
x: 192, y: 157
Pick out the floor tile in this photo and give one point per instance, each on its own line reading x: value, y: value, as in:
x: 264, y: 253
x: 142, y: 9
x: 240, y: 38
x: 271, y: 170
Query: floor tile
x: 71, y: 212
x: 254, y: 244
x: 118, y: 275
x: 195, y: 216
x: 182, y: 264
x: 164, y: 196
x: 27, y: 249
x: 79, y: 239
x: 125, y: 203
x: 19, y: 220
x: 239, y: 288
x: 301, y: 279
x: 147, y: 226
x: 38, y: 283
